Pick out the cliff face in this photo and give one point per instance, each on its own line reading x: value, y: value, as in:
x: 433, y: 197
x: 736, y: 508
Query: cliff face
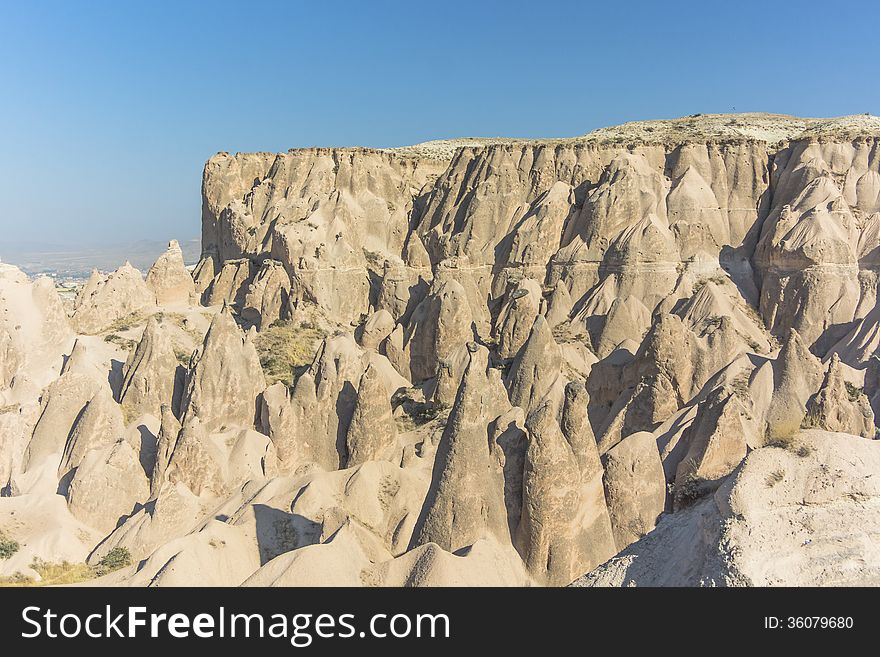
x: 473, y: 362
x: 794, y: 223
x: 326, y: 214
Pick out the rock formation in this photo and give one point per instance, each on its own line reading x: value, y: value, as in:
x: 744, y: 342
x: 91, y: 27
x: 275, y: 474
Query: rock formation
x: 103, y: 300
x: 372, y: 434
x: 465, y: 502
x: 635, y: 487
x: 168, y: 278
x: 225, y: 377
x: 646, y: 355
x: 151, y: 375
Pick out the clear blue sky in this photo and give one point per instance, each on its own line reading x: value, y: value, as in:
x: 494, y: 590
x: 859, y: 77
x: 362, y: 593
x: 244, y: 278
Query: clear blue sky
x: 109, y: 109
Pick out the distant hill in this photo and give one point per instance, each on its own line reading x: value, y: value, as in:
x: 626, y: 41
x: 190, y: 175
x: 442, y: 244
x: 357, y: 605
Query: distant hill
x: 78, y: 261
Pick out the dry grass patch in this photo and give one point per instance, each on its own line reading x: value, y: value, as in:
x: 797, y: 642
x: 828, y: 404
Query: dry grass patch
x: 286, y: 349
x: 64, y: 572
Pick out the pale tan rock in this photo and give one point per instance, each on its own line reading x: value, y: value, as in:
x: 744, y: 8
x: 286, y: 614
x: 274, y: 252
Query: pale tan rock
x: 517, y: 316
x: 797, y: 376
x: 378, y: 326
x: 565, y: 528
x: 372, y: 434
x: 535, y: 368
x: 166, y: 441
x: 559, y: 305
x: 840, y: 407
x: 168, y: 278
x: 16, y: 427
x: 324, y: 399
x: 439, y: 325
x: 635, y: 487
x: 277, y: 420
x: 267, y: 297
x: 402, y: 288
x: 100, y: 424
x: 225, y: 378
x: 794, y: 516
x: 104, y: 300
x: 717, y: 442
x: 151, y: 376
x: 196, y: 461
x: 466, y: 500
x: 230, y: 284
x: 107, y: 486
x: 652, y: 256
x: 204, y: 273
x: 61, y: 404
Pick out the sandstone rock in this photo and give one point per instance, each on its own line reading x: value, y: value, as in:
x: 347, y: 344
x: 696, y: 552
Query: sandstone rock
x: 635, y: 487
x: 100, y: 424
x: 225, y: 378
x: 535, y: 368
x: 61, y: 405
x: 717, y: 442
x: 402, y: 289
x: 267, y: 296
x: 565, y: 526
x: 378, y: 326
x: 324, y: 400
x: 277, y: 420
x: 230, y: 284
x: 517, y: 316
x: 372, y: 433
x: 104, y: 300
x: 196, y: 461
x: 788, y: 517
x: 151, y: 376
x: 169, y: 430
x: 639, y: 278
x: 840, y: 407
x: 797, y: 375
x: 465, y: 502
x: 168, y: 278
x: 108, y: 485
x: 440, y: 324
x: 559, y: 305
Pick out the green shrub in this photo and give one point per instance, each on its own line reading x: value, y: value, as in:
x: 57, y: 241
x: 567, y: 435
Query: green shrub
x: 8, y: 547
x: 118, y: 557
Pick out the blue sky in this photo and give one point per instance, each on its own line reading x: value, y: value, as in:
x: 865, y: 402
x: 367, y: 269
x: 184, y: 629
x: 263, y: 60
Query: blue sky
x: 108, y: 110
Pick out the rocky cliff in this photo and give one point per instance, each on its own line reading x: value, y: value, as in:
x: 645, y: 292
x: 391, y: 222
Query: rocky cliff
x: 472, y: 362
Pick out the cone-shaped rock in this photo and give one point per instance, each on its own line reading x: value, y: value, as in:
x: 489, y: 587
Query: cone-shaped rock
x: 717, y: 441
x: 535, y: 368
x: 278, y: 422
x: 372, y: 434
x: 195, y: 461
x: 565, y: 529
x: 797, y: 375
x: 223, y: 386
x: 168, y: 278
x: 517, y: 317
x: 150, y: 376
x: 107, y: 486
x: 104, y: 300
x: 466, y: 499
x: 559, y: 305
x: 99, y: 425
x: 635, y: 487
x: 439, y: 325
x: 168, y: 432
x: 840, y: 407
